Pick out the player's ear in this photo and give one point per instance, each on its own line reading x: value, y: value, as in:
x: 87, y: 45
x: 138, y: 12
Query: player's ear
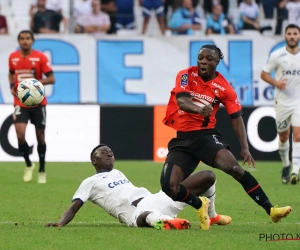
x: 93, y: 161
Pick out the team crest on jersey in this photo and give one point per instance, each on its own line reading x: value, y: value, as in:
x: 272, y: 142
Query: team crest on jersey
x: 184, y: 80
x: 217, y: 93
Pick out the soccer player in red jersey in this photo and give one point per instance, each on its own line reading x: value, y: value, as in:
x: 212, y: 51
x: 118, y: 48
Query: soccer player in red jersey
x: 191, y: 112
x: 30, y: 63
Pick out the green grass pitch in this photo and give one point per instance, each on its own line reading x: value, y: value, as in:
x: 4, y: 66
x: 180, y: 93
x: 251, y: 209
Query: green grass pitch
x: 26, y: 207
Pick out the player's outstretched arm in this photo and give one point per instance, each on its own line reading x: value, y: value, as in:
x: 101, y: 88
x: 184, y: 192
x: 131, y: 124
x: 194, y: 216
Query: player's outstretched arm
x: 239, y: 128
x: 68, y: 215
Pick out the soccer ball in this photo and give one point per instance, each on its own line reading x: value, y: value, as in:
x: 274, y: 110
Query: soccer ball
x: 30, y: 92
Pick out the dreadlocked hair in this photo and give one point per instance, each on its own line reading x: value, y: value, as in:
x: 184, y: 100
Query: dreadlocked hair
x: 215, y: 48
x: 94, y: 149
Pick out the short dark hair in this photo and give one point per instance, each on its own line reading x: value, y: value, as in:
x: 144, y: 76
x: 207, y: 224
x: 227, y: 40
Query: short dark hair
x: 95, y: 148
x: 292, y: 26
x: 24, y: 32
x: 215, y: 48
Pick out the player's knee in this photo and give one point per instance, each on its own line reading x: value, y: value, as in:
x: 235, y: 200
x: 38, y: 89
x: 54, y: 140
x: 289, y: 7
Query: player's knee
x: 165, y: 178
x: 210, y: 177
x: 236, y: 171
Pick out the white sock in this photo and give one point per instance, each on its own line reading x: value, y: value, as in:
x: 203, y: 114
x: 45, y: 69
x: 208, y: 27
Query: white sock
x: 283, y: 149
x: 156, y: 216
x: 211, y: 194
x: 296, y: 158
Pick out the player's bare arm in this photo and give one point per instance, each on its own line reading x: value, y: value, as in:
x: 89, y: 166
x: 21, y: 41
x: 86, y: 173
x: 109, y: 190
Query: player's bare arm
x: 68, y: 215
x: 239, y: 128
x: 50, y: 79
x: 11, y: 80
x: 281, y: 84
x: 185, y: 103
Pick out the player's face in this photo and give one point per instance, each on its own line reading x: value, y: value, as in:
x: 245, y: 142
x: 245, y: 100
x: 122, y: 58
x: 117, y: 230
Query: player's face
x: 292, y: 36
x: 104, y: 158
x: 25, y: 41
x: 207, y: 62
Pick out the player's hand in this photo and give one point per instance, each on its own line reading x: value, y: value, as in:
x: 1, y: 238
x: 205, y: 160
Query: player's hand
x: 206, y: 110
x: 281, y: 84
x: 52, y: 224
x: 247, y: 157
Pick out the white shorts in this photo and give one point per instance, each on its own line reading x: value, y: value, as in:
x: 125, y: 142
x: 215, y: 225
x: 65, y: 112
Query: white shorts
x: 287, y: 116
x: 158, y: 202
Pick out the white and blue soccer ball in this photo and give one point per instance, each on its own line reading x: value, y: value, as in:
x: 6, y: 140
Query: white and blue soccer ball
x: 30, y: 92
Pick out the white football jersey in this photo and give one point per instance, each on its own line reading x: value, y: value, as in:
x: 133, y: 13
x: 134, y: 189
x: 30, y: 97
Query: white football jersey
x: 113, y: 192
x: 286, y: 66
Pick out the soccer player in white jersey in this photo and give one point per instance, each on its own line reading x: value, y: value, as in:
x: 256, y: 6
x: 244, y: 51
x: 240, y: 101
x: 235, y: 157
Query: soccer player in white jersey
x: 286, y: 63
x: 136, y: 206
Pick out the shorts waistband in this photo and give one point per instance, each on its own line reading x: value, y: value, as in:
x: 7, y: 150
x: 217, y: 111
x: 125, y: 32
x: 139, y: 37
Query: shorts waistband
x: 192, y: 134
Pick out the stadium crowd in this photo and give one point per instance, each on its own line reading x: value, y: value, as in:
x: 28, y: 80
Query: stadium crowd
x: 174, y: 17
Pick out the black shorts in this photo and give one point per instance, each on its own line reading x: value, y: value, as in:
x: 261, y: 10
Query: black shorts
x: 189, y: 148
x: 36, y: 115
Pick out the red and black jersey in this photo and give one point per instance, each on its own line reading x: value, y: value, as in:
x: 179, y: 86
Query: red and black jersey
x: 214, y: 92
x: 32, y: 66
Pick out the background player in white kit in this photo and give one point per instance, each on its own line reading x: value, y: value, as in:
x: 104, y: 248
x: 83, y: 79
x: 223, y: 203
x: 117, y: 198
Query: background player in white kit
x: 136, y: 206
x: 286, y: 63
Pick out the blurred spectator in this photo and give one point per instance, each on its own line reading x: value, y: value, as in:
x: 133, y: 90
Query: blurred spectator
x: 96, y: 23
x: 239, y: 1
x: 44, y: 20
x: 184, y: 20
x: 170, y: 6
x: 158, y: 7
x: 293, y: 9
x: 110, y: 7
x: 3, y: 24
x: 82, y: 8
x: 218, y: 23
x: 55, y: 5
x: 125, y: 14
x: 249, y: 17
x: 208, y: 5
x: 281, y: 15
x: 268, y: 7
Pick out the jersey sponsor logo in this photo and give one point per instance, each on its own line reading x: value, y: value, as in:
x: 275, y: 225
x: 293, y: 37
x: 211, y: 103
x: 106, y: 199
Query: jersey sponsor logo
x: 291, y: 72
x: 201, y: 96
x: 34, y: 59
x: 218, y: 86
x: 117, y: 183
x: 194, y: 74
x: 15, y: 61
x: 184, y: 80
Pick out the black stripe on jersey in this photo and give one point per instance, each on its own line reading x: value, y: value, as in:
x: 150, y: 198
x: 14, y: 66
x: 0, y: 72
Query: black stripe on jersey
x: 181, y: 94
x: 236, y: 114
x: 48, y: 73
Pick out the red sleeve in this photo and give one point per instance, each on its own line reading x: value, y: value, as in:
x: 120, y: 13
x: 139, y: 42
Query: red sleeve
x: 10, y: 65
x: 182, y: 85
x: 46, y: 66
x: 231, y: 103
